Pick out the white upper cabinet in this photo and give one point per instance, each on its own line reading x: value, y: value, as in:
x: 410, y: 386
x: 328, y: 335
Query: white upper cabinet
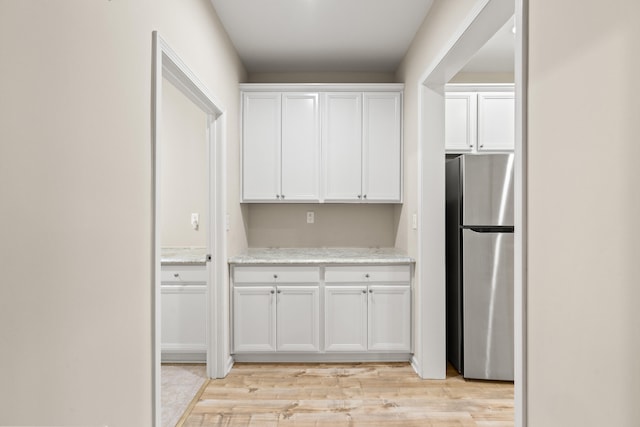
x: 281, y: 147
x: 322, y: 143
x: 363, y: 147
x: 496, y: 121
x: 479, y: 118
x: 261, y: 134
x: 460, y: 121
x: 381, y: 147
x: 342, y: 146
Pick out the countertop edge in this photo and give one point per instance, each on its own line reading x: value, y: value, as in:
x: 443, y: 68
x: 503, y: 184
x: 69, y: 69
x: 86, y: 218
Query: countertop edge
x: 328, y: 256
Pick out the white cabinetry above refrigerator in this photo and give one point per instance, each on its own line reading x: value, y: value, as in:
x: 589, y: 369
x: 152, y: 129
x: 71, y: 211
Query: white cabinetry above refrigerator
x: 479, y: 118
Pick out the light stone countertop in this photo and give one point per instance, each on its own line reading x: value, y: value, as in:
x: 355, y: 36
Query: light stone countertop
x: 322, y: 256
x: 183, y: 256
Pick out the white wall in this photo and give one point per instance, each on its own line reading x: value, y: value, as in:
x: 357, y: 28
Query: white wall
x: 75, y: 185
x: 444, y: 18
x: 437, y: 29
x: 183, y: 170
x: 584, y: 206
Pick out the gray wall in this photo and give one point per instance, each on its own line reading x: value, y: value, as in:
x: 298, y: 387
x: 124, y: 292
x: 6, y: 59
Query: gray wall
x: 75, y: 185
x: 583, y: 209
x: 336, y: 225
x: 183, y: 170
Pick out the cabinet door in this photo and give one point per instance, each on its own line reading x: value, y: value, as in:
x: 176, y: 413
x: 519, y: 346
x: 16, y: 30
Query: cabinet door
x: 298, y: 318
x: 300, y: 147
x: 254, y: 319
x: 381, y: 148
x: 496, y: 121
x: 345, y: 321
x: 389, y: 318
x: 342, y: 146
x: 261, y: 134
x: 184, y: 320
x: 460, y: 121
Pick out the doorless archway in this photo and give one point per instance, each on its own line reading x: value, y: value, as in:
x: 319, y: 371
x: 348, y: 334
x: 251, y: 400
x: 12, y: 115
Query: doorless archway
x: 168, y: 65
x: 486, y: 17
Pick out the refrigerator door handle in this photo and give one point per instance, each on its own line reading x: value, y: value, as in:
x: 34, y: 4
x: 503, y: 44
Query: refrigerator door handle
x: 489, y: 228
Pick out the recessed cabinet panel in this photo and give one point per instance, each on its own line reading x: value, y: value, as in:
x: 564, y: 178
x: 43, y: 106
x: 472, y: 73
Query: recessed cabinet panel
x: 342, y: 146
x: 297, y: 318
x: 345, y: 318
x: 184, y: 322
x: 460, y: 121
x: 254, y: 317
x: 496, y: 121
x: 261, y: 134
x: 389, y: 318
x: 300, y: 146
x: 381, y: 157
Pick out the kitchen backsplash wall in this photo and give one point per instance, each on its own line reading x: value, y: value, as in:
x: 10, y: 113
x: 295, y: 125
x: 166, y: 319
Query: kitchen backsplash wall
x: 336, y: 225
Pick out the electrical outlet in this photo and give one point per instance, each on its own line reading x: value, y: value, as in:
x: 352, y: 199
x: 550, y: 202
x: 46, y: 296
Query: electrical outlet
x: 311, y: 217
x: 195, y: 221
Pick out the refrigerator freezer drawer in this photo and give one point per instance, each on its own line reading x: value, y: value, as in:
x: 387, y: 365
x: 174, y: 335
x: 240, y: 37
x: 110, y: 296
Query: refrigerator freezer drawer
x: 488, y: 305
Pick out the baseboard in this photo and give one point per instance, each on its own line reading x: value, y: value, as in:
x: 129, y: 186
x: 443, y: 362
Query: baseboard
x: 169, y: 356
x: 416, y: 366
x: 228, y: 366
x: 322, y: 358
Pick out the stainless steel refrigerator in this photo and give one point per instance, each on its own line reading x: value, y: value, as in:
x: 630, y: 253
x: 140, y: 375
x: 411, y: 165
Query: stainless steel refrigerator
x: 479, y: 253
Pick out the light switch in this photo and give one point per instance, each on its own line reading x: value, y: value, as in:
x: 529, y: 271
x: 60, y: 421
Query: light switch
x: 414, y: 221
x: 311, y: 217
x: 195, y: 221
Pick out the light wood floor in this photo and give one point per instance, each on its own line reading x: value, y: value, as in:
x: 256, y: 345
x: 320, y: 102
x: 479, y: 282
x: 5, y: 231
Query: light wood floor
x: 367, y: 394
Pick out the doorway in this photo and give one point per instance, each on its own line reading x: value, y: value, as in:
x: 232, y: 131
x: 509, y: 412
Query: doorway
x: 170, y: 72
x: 486, y: 17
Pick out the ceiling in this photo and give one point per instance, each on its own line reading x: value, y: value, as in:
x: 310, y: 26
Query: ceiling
x: 274, y: 36
x: 321, y: 35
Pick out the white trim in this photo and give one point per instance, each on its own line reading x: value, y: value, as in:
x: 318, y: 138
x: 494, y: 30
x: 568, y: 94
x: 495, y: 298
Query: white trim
x: 520, y: 236
x: 486, y: 17
x: 167, y: 64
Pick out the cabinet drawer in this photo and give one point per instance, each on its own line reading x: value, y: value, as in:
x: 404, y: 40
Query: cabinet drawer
x: 276, y: 275
x: 372, y: 273
x: 183, y: 274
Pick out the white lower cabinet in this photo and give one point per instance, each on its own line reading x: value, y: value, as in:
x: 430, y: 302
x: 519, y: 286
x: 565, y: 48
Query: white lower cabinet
x: 276, y: 309
x: 183, y: 310
x: 389, y: 318
x: 297, y: 326
x: 364, y: 310
x: 375, y: 315
x: 254, y: 318
x: 345, y: 320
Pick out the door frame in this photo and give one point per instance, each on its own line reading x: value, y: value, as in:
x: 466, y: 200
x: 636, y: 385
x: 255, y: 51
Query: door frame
x: 166, y: 64
x: 484, y: 19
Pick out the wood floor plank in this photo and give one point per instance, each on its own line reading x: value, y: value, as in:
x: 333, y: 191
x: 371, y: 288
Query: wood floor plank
x: 366, y: 394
